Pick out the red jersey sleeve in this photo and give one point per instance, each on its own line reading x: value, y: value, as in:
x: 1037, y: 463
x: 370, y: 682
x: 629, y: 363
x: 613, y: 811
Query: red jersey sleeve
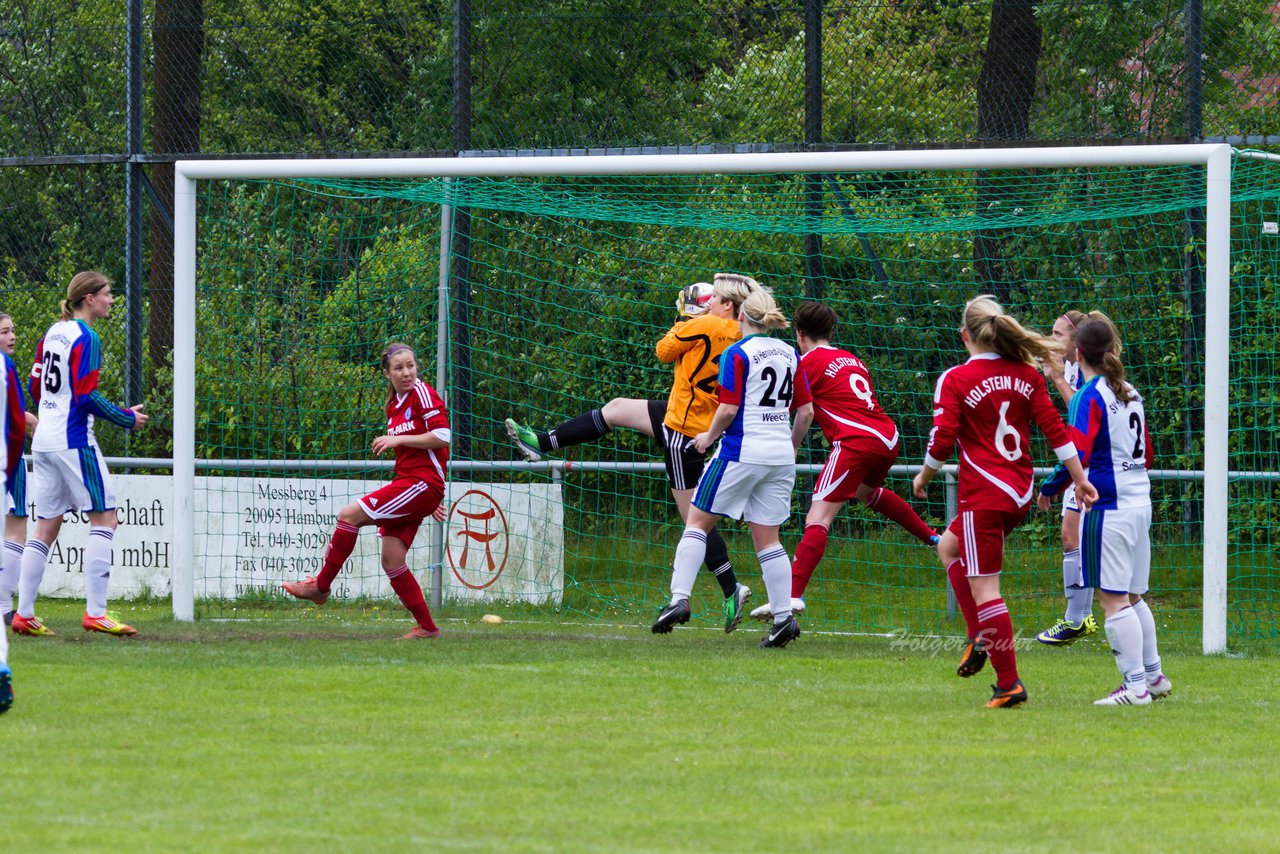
x: 37, y: 371
x: 16, y: 424
x: 801, y: 394
x: 946, y: 422
x: 434, y: 414
x: 1083, y: 439
x: 1047, y: 418
x: 733, y: 377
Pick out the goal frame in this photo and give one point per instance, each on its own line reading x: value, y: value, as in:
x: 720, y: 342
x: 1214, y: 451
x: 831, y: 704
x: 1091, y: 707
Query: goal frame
x: 1216, y: 158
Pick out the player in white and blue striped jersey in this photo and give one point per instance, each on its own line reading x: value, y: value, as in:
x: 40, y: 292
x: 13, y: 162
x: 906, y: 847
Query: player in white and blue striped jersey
x: 752, y: 473
x: 68, y: 471
x: 1063, y: 372
x: 1109, y: 427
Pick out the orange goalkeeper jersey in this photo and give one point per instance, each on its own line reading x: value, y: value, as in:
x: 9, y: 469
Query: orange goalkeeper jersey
x: 695, y: 345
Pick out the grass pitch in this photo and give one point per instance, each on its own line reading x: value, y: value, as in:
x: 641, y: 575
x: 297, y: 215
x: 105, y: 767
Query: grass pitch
x: 329, y: 734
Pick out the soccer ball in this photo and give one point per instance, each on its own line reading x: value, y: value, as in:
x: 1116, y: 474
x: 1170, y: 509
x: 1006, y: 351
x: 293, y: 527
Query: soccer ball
x: 692, y: 300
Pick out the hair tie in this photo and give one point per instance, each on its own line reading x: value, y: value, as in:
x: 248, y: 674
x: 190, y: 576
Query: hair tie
x: 1069, y: 320
x: 395, y: 350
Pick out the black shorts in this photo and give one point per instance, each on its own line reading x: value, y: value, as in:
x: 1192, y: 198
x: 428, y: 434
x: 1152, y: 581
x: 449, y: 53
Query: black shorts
x: 684, y: 461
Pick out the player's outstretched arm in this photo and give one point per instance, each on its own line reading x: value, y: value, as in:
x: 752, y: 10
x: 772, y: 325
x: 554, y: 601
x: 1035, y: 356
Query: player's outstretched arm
x: 129, y: 419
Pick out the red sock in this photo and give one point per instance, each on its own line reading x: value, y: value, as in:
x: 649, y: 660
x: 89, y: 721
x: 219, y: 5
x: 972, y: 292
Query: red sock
x: 406, y: 587
x: 813, y: 544
x: 889, y: 505
x: 341, y: 544
x: 964, y: 596
x: 996, y: 629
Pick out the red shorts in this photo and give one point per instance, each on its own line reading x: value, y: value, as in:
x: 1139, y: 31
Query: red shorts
x: 848, y: 468
x: 981, y: 534
x: 401, y: 505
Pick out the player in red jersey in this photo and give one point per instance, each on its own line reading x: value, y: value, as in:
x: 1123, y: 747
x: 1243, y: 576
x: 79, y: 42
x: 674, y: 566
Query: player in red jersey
x: 418, y: 433
x: 985, y: 407
x: 864, y: 446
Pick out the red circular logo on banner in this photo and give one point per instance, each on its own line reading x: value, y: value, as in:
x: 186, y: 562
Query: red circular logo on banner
x: 476, y: 539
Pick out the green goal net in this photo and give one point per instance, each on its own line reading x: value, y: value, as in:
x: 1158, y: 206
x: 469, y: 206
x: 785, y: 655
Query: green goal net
x: 558, y: 289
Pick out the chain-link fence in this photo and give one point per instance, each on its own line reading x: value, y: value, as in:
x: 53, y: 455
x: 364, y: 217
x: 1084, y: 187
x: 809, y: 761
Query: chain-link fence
x: 98, y: 96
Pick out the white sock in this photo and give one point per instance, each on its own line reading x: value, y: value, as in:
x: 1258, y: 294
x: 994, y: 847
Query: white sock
x: 690, y: 553
x: 1124, y: 631
x: 1079, y: 597
x: 775, y: 566
x: 97, y: 570
x: 34, y: 557
x: 1150, y: 650
x: 9, y: 575
x: 4, y: 644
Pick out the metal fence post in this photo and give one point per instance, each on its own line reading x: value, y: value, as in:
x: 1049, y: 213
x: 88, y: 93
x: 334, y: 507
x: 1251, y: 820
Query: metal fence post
x: 134, y: 190
x: 814, y: 269
x: 439, y: 530
x: 460, y: 254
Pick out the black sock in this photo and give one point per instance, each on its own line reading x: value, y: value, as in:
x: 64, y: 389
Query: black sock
x: 584, y: 428
x: 718, y: 563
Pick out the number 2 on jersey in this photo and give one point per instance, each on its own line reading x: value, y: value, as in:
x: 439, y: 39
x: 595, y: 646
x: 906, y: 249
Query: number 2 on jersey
x: 770, y: 376
x: 1135, y: 424
x: 52, y: 373
x: 708, y: 384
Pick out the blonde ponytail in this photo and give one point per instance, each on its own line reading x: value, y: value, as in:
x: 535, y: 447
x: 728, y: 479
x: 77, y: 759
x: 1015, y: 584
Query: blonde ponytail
x: 990, y: 328
x: 760, y: 309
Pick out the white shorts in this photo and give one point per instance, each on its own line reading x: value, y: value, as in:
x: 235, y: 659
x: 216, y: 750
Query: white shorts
x: 1115, y: 549
x: 756, y: 493
x: 1069, y: 503
x: 71, y: 480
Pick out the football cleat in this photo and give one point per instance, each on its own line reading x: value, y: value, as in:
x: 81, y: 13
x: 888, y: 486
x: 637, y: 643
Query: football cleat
x: 935, y: 539
x: 1007, y: 699
x: 1063, y: 633
x: 307, y: 588
x: 108, y: 625
x: 1160, y: 688
x: 781, y: 634
x: 6, y: 688
x: 765, y: 615
x: 1123, y: 696
x: 973, y: 659
x: 30, y: 626
x: 419, y: 633
x: 671, y: 616
x: 525, y: 440
x: 733, y: 606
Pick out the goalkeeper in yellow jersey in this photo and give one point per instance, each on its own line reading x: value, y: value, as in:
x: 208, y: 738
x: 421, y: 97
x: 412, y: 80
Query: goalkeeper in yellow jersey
x: 706, y: 328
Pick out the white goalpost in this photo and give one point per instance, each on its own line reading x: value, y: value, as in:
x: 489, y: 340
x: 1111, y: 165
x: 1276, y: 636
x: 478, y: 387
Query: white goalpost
x: 1216, y: 159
